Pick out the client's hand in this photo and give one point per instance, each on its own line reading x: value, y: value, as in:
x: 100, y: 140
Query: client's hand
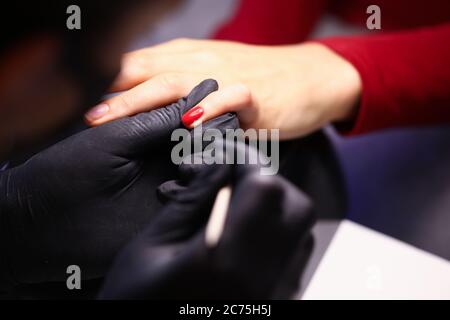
x: 296, y: 89
x: 261, y: 254
x: 80, y: 200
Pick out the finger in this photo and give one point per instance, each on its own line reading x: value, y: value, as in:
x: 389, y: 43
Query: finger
x: 263, y: 203
x: 141, y: 65
x: 137, y: 67
x: 179, y: 45
x: 233, y: 98
x: 176, y: 56
x: 132, y: 135
x: 156, y: 92
x: 190, y: 208
x: 274, y: 208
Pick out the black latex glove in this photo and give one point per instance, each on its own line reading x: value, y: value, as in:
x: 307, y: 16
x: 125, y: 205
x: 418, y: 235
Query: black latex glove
x: 80, y: 200
x: 266, y: 242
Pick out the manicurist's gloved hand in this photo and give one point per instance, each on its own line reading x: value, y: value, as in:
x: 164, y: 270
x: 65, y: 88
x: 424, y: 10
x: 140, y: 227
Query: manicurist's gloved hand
x: 79, y: 201
x: 265, y: 243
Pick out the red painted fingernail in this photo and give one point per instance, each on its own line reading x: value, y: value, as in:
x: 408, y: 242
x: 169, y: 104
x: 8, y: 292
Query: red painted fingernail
x: 192, y: 115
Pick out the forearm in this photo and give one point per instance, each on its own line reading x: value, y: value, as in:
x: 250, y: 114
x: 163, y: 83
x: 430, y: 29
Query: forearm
x: 272, y: 22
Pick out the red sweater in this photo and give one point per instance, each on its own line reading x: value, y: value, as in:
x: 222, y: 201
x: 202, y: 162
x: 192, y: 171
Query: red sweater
x: 405, y: 74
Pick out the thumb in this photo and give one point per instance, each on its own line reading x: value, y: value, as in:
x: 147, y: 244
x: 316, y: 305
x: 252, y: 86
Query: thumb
x: 274, y: 209
x: 189, y: 209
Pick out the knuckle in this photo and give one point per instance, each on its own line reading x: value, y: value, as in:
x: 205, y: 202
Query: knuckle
x: 134, y: 65
x: 303, y: 211
x: 244, y: 92
x: 170, y: 81
x: 122, y: 104
x: 305, y: 202
x: 181, y: 42
x: 264, y: 184
x: 210, y: 57
x: 135, y: 59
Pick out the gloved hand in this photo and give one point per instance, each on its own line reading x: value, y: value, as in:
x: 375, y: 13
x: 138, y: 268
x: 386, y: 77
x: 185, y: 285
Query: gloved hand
x: 80, y: 200
x: 265, y: 244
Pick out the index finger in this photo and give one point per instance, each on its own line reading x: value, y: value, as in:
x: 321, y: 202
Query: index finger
x: 153, y: 93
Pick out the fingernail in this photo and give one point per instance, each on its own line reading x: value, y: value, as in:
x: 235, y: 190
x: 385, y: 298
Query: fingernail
x: 192, y: 115
x: 97, y: 112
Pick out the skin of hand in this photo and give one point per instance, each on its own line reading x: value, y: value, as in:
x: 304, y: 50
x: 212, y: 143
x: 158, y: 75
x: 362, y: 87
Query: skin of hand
x: 296, y: 88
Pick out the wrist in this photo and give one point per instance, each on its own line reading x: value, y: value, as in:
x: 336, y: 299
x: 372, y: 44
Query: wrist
x: 338, y: 85
x: 328, y: 86
x: 345, y: 85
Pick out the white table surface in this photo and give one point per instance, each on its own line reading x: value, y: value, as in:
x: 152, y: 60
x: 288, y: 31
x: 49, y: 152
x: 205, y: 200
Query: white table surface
x: 360, y: 263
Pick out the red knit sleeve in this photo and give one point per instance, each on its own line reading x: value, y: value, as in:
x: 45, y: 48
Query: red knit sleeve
x: 405, y: 77
x: 272, y: 22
